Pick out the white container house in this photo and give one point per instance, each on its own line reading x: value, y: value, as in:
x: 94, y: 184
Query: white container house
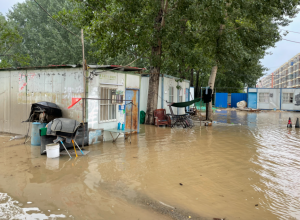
x: 19, y: 88
x: 167, y: 92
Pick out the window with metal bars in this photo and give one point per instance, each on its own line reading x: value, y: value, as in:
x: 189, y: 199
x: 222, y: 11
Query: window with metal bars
x: 264, y: 97
x: 171, y: 94
x: 180, y: 91
x: 287, y: 97
x: 107, y: 107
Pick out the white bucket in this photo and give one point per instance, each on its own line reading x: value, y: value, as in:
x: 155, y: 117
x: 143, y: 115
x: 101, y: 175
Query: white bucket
x: 52, y: 150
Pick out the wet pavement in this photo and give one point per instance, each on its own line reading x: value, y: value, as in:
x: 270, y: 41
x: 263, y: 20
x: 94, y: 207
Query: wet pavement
x: 244, y: 167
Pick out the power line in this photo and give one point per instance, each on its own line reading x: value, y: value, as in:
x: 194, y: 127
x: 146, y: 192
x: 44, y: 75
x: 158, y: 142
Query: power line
x: 291, y: 31
x: 56, y: 20
x: 291, y: 41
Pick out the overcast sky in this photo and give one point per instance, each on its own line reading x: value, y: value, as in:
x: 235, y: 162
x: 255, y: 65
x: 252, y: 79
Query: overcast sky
x: 5, y: 5
x: 283, y: 51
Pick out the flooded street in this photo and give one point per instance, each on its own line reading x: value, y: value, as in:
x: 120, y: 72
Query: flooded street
x: 246, y: 167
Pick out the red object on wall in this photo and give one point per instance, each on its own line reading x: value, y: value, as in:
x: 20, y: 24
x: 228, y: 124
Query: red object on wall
x: 74, y: 101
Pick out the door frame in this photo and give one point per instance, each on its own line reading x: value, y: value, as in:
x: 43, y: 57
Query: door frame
x: 138, y: 98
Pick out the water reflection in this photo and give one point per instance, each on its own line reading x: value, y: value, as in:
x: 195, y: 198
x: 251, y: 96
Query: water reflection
x: 225, y: 171
x: 276, y: 162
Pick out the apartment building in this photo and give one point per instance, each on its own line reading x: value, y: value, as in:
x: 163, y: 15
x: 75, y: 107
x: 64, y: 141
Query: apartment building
x: 286, y: 76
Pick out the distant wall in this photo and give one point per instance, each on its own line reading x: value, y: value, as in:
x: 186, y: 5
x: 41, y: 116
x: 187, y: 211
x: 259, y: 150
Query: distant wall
x: 271, y: 98
x: 144, y: 93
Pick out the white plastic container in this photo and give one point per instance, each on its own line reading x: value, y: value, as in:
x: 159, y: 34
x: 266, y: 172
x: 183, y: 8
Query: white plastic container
x: 52, y: 150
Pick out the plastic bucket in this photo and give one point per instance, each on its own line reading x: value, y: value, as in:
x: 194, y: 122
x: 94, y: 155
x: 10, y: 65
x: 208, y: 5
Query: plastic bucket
x: 52, y: 150
x: 35, y: 133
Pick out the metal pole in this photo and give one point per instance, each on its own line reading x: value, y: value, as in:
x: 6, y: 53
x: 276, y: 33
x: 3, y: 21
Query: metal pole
x: 131, y: 122
x: 206, y: 111
x: 201, y: 97
x: 83, y: 108
x: 84, y: 82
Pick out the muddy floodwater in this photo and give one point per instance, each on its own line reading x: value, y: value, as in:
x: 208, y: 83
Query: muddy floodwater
x: 245, y: 167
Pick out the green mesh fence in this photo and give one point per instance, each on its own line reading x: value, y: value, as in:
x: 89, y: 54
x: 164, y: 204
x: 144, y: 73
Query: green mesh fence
x: 201, y: 106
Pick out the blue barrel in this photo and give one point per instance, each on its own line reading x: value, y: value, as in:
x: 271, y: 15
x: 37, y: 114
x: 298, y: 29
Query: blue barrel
x: 35, y: 133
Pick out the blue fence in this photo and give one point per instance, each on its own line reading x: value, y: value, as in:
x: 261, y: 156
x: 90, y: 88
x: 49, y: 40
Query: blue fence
x: 221, y: 100
x: 237, y: 97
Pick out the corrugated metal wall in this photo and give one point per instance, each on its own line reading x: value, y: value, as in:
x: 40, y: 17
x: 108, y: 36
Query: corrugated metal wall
x: 19, y: 89
x: 221, y: 100
x: 237, y: 97
x: 12, y: 114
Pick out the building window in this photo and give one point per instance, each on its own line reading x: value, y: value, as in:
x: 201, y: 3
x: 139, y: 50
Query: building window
x: 107, y: 111
x: 171, y: 94
x: 264, y: 97
x: 180, y: 95
x: 287, y: 97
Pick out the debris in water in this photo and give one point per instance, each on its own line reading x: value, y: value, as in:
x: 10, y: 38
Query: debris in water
x: 256, y: 204
x: 180, y: 184
x: 29, y: 202
x: 167, y: 205
x: 16, y: 137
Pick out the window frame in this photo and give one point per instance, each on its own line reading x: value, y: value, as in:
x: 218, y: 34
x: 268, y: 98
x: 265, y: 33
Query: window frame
x: 287, y: 98
x: 264, y: 97
x: 180, y: 96
x: 107, y: 107
x: 171, y: 95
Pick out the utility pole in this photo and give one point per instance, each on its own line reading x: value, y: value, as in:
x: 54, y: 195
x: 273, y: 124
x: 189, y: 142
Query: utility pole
x: 84, y: 82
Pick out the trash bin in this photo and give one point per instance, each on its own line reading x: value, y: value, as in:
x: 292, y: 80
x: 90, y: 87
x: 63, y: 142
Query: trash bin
x: 35, y: 133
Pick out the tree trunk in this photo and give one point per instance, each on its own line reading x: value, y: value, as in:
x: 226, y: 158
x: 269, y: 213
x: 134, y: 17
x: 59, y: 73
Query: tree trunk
x: 152, y: 95
x: 211, y: 83
x: 192, y: 79
x: 156, y: 63
x: 214, y: 70
x: 197, y: 85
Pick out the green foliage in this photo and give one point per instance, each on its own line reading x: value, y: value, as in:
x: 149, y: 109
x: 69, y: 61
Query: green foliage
x: 174, y: 36
x: 190, y: 34
x: 122, y: 27
x: 45, y: 41
x: 234, y: 35
x: 9, y: 39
